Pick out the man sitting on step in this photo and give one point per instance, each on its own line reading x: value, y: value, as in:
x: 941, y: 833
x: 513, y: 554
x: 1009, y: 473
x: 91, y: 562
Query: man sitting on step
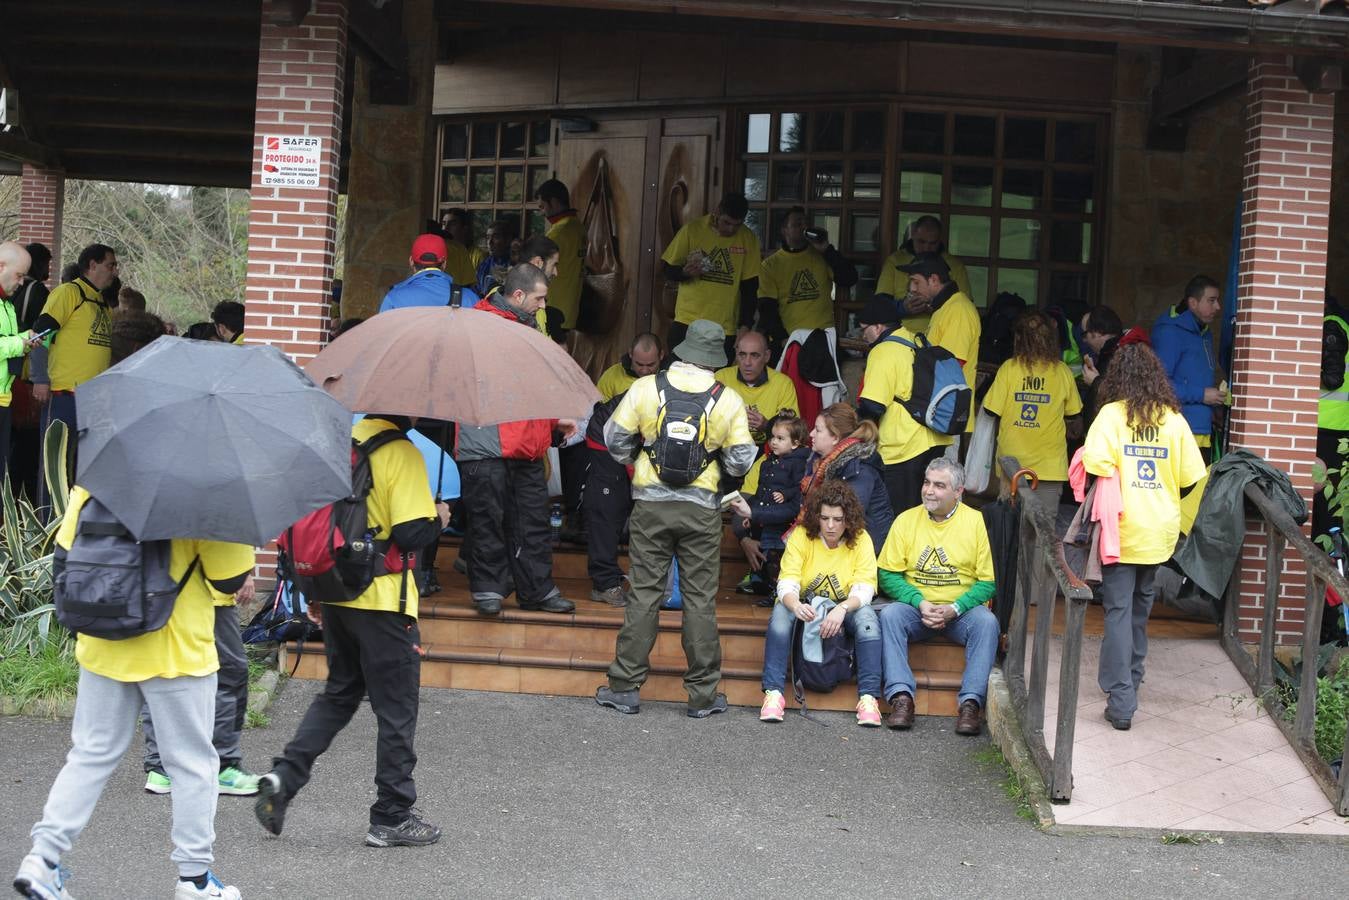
x: 937, y: 564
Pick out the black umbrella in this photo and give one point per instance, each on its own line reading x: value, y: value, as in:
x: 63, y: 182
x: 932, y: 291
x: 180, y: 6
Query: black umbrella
x: 1002, y: 518
x: 192, y: 439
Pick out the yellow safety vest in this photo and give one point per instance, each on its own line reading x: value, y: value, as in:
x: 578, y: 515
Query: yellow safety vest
x: 1332, y: 409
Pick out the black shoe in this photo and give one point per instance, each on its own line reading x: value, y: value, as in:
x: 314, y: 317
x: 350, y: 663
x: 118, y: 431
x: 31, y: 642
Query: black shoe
x: 460, y: 566
x: 718, y: 706
x: 554, y: 604
x: 411, y: 832
x: 627, y: 702
x: 489, y: 607
x: 429, y: 585
x: 270, y: 807
x: 1119, y: 724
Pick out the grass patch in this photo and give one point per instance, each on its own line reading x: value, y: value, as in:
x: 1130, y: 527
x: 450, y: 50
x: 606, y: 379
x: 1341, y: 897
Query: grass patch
x: 256, y: 719
x: 51, y: 673
x: 991, y: 758
x: 1193, y: 838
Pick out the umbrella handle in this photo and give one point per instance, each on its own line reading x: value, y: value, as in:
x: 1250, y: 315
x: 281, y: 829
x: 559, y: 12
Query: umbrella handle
x: 1016, y: 480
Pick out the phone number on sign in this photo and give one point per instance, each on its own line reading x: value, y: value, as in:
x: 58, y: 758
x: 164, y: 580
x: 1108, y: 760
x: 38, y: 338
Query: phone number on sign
x: 293, y: 182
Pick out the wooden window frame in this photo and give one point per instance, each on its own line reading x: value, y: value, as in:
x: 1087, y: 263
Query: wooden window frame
x: 524, y: 211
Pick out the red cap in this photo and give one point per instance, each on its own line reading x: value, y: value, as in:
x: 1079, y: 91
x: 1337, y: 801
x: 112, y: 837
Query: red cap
x: 1134, y: 335
x: 428, y: 249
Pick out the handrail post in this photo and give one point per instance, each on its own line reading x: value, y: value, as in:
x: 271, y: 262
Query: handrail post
x: 1304, y: 726
x: 1264, y: 681
x: 1015, y: 661
x: 1061, y: 786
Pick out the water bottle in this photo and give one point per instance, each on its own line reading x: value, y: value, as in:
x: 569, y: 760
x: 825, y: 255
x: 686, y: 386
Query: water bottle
x: 555, y: 521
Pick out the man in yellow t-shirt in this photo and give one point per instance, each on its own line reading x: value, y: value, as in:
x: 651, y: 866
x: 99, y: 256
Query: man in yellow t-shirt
x: 669, y: 519
x: 1157, y: 463
x: 937, y: 564
x: 715, y: 261
x: 373, y: 649
x: 766, y: 391
x: 564, y: 228
x: 955, y: 323
x: 643, y: 358
x: 797, y: 284
x: 925, y: 236
x: 906, y: 446
x: 173, y: 672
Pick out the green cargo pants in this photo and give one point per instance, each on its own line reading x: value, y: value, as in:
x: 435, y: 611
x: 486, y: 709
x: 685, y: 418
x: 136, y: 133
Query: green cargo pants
x: 659, y: 531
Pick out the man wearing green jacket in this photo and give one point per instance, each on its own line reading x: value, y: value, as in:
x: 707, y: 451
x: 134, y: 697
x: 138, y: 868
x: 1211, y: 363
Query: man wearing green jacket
x: 14, y: 263
x: 937, y: 565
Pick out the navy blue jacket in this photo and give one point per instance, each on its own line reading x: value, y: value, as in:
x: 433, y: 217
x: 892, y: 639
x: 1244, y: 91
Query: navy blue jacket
x: 1186, y: 352
x: 783, y: 474
x: 860, y: 467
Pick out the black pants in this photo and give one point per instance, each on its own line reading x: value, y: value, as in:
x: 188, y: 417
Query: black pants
x: 372, y: 653
x: 607, y: 502
x: 572, y: 462
x: 508, y: 530
x: 442, y: 434
x: 904, y: 481
x: 4, y: 443
x: 678, y: 331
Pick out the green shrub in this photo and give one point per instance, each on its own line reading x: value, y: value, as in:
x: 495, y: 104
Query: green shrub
x: 27, y: 617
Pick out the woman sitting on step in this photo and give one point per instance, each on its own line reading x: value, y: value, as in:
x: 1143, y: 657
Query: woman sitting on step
x: 830, y: 556
x: 845, y: 449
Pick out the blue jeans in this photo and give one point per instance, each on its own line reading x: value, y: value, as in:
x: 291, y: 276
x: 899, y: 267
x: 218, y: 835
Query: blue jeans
x: 861, y: 625
x: 976, y: 629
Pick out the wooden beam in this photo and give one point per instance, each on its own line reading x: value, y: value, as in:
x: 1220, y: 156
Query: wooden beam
x: 232, y: 173
x: 1204, y: 80
x: 380, y: 32
x: 16, y: 146
x: 153, y: 90
x: 148, y: 117
x: 286, y: 13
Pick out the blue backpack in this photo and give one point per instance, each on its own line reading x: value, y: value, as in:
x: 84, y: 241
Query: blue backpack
x: 940, y: 398
x: 819, y: 664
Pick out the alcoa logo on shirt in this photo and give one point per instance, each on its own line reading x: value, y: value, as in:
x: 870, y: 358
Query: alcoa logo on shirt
x: 1146, y: 470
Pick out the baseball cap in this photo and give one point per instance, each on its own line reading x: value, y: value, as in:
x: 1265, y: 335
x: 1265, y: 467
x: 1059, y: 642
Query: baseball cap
x: 428, y: 249
x: 880, y: 309
x: 927, y: 264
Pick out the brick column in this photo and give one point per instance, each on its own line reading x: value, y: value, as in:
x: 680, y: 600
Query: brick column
x: 1280, y: 296
x: 42, y: 198
x: 292, y: 230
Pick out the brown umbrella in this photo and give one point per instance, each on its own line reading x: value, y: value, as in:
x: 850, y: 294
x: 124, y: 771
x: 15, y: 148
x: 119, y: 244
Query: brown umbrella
x: 459, y: 365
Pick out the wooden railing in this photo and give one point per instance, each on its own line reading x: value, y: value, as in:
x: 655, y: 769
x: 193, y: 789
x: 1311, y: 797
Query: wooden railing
x: 1281, y: 530
x: 1041, y: 576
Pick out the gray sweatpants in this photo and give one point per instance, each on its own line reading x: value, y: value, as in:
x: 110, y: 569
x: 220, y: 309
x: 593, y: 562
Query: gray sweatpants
x: 104, y: 723
x: 231, y: 695
x: 1127, y: 592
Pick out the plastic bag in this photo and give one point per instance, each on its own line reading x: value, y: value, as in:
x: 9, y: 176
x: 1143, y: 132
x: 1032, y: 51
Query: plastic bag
x: 979, y: 459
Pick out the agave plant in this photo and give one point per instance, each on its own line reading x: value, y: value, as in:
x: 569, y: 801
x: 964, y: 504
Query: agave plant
x: 27, y: 536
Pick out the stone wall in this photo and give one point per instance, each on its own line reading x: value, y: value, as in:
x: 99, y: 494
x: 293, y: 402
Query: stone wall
x: 1169, y: 213
x: 390, y: 177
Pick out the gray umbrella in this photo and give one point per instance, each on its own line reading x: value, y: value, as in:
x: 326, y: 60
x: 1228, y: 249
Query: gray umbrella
x: 191, y: 439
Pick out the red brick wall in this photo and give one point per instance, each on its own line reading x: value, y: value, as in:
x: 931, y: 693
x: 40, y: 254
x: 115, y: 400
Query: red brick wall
x: 1281, y: 290
x: 41, y: 199
x: 291, y: 230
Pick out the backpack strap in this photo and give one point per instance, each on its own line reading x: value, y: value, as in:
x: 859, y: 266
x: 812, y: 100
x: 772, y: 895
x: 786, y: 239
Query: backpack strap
x: 456, y: 296
x: 192, y: 567
x: 798, y: 688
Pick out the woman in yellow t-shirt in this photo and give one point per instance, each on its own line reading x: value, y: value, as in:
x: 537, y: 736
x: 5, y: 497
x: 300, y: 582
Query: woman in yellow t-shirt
x: 1140, y: 436
x: 1036, y: 403
x: 830, y: 556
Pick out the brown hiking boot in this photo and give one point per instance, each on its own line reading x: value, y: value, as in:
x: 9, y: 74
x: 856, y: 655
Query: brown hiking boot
x: 614, y: 596
x: 967, y: 721
x: 901, y: 712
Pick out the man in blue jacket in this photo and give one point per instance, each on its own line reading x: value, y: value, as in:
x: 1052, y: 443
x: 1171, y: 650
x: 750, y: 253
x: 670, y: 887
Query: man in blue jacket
x: 429, y: 284
x: 1184, y: 343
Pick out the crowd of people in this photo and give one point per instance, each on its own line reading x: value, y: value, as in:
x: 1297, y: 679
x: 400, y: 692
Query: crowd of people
x: 851, y: 515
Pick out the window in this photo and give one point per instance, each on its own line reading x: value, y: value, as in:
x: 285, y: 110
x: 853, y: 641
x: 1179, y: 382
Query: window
x: 492, y: 168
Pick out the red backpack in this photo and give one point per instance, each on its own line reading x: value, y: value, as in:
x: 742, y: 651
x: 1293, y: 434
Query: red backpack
x: 333, y: 552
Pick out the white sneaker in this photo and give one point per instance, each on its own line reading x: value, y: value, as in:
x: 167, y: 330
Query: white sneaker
x: 39, y: 881
x: 214, y: 890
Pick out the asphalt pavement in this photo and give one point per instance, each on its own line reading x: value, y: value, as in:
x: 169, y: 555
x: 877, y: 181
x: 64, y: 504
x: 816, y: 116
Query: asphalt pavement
x: 555, y: 797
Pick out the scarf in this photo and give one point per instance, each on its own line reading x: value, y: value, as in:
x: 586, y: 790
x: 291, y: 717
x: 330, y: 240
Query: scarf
x: 844, y: 451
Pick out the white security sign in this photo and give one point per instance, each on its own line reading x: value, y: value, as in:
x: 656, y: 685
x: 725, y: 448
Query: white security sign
x: 289, y: 161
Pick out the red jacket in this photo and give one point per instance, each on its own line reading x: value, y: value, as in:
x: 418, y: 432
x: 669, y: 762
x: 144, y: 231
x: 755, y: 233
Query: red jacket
x: 526, y: 439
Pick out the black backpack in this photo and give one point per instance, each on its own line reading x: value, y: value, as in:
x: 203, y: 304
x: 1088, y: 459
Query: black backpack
x: 679, y: 452
x: 110, y: 585
x: 333, y: 552
x: 834, y: 666
x: 940, y: 398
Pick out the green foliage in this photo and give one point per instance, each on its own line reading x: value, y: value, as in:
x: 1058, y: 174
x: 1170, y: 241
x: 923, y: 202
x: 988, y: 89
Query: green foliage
x: 1332, y: 713
x: 50, y: 673
x: 27, y: 619
x: 56, y: 466
x: 1334, y: 486
x: 256, y: 719
x: 991, y: 758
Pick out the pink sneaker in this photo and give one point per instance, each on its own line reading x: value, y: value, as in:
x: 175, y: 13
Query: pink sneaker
x: 774, y: 707
x: 868, y: 712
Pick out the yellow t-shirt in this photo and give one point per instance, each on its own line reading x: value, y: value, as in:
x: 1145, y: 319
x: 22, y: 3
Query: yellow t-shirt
x: 1153, y: 463
x: 614, y: 381
x: 956, y: 327
x: 715, y: 294
x: 185, y: 646
x: 941, y: 559
x: 82, y: 347
x: 564, y: 291
x: 887, y: 380
x: 726, y: 426
x: 778, y: 392
x: 1031, y: 405
x: 399, y: 493
x: 825, y: 572
x: 803, y: 285
x: 895, y: 283
x: 459, y: 265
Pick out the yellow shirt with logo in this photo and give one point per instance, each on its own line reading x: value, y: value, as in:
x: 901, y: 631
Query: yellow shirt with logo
x: 459, y: 264
x: 715, y: 294
x: 564, y: 291
x: 614, y: 381
x: 778, y: 392
x: 895, y: 283
x: 803, y: 285
x: 1153, y: 462
x: 82, y: 347
x: 185, y: 646
x: 956, y: 327
x: 887, y: 380
x: 823, y: 572
x: 726, y: 425
x: 1031, y: 404
x: 399, y: 493
x: 941, y: 559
